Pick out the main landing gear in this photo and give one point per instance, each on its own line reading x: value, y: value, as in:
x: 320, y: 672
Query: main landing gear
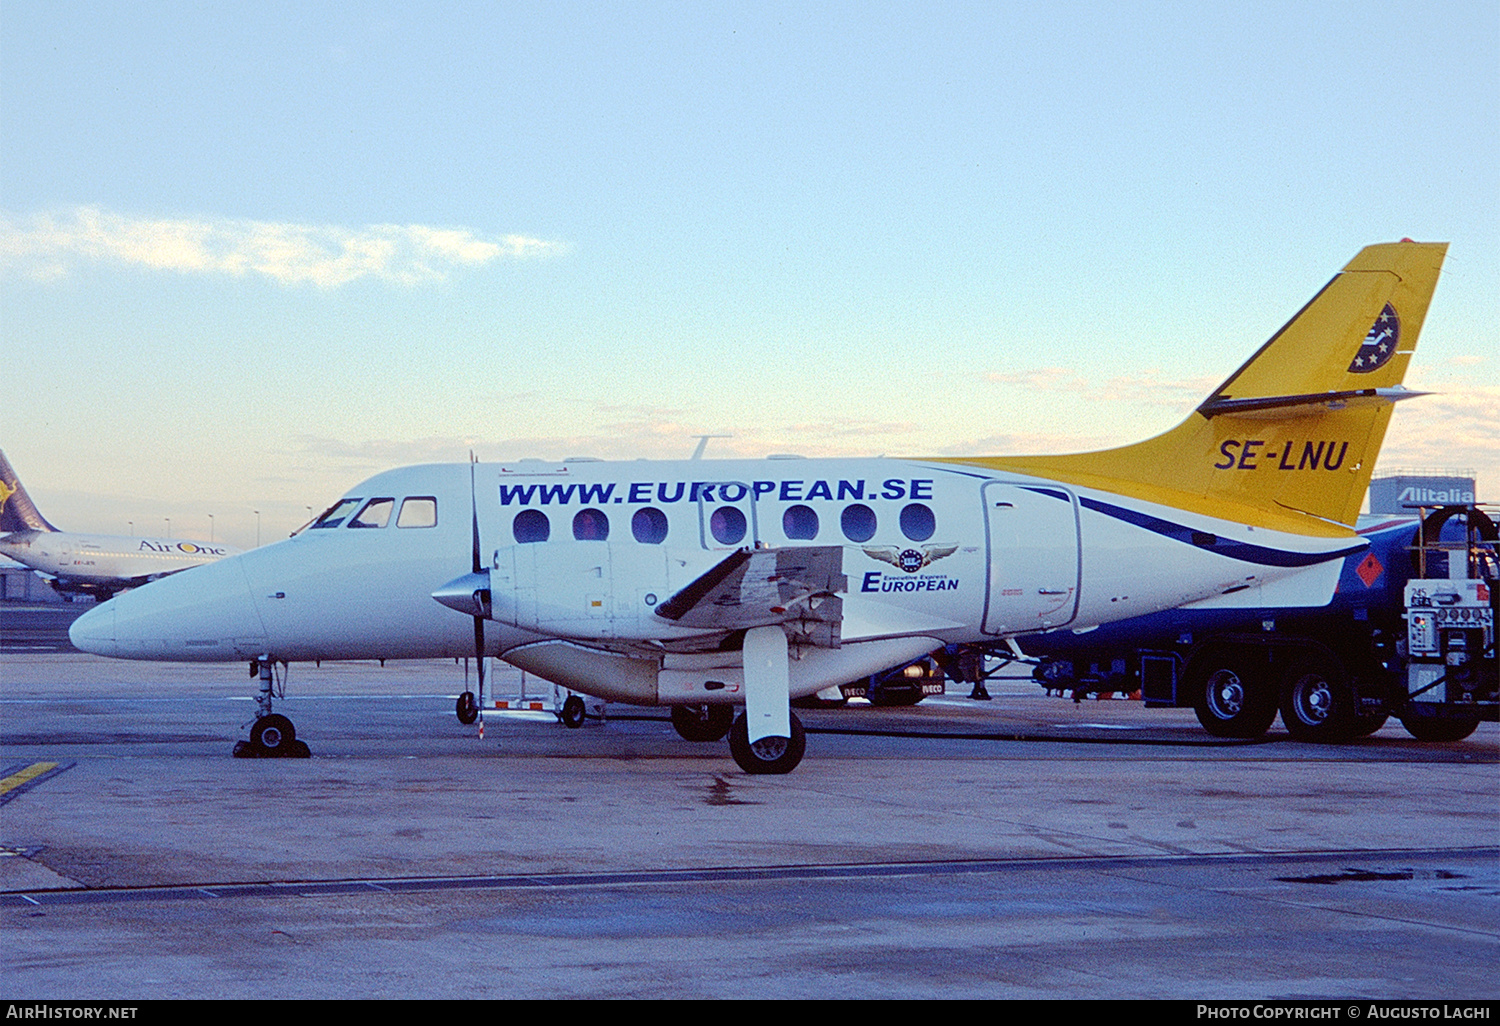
x: 272, y: 736
x: 767, y: 737
x: 769, y: 754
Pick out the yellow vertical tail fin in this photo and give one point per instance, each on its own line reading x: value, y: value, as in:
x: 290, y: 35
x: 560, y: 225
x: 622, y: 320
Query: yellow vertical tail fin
x: 1290, y: 439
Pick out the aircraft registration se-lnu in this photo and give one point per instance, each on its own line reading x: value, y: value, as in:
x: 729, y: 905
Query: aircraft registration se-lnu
x: 707, y: 585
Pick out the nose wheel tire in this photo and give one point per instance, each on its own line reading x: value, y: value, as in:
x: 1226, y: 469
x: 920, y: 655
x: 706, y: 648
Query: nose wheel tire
x: 769, y: 754
x: 573, y: 712
x: 272, y: 737
x: 273, y: 733
x: 702, y: 722
x: 466, y: 708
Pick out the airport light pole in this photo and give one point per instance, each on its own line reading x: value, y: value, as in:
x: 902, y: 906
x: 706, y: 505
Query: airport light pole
x: 169, y: 526
x: 257, y: 529
x: 210, y: 528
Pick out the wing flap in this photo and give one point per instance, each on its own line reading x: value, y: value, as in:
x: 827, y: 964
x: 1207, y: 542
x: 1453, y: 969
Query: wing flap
x: 761, y: 587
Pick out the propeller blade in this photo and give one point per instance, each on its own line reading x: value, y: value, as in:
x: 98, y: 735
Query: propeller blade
x: 478, y: 620
x: 474, y: 511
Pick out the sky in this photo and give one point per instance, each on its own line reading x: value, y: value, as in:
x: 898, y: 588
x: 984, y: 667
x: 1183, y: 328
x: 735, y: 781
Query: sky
x: 253, y: 254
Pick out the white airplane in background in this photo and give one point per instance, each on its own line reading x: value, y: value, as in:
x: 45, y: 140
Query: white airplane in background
x: 89, y: 564
x: 708, y: 585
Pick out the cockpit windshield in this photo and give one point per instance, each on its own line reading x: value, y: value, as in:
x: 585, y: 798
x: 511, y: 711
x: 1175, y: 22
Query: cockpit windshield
x: 377, y: 513
x: 416, y: 511
x: 336, y: 514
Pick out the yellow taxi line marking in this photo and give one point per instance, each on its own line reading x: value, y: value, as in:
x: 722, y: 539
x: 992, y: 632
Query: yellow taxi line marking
x: 30, y: 773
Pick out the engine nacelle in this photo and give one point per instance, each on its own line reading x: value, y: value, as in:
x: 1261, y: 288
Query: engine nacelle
x: 588, y: 590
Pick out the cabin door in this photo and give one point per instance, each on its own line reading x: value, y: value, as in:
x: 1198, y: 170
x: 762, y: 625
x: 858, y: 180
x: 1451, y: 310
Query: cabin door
x: 1032, y: 545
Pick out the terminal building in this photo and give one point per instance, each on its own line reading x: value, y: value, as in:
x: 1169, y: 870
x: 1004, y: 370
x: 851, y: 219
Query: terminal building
x: 1405, y: 489
x: 21, y: 584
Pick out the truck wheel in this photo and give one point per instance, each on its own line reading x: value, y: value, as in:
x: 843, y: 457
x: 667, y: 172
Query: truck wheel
x: 1231, y: 705
x: 1426, y: 727
x: 1318, y: 707
x: 1364, y: 726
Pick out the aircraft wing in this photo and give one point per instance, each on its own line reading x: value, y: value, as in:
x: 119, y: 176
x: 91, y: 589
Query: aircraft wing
x: 762, y: 587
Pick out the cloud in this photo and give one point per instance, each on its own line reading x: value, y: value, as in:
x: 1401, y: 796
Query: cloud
x: 1148, y: 388
x: 48, y: 246
x: 1456, y: 430
x: 1040, y: 379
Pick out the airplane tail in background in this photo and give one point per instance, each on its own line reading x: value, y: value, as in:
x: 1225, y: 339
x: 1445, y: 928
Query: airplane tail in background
x: 17, y: 511
x: 1290, y: 439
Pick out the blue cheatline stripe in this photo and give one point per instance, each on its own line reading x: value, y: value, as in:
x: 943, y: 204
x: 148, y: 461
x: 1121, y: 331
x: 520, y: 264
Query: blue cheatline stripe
x: 1243, y: 551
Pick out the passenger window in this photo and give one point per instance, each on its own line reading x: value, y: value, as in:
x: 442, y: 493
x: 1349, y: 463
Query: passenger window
x: 858, y: 522
x: 418, y: 511
x: 377, y: 513
x: 531, y: 525
x: 649, y: 525
x: 728, y: 525
x: 917, y: 522
x: 336, y: 513
x: 800, y: 523
x: 591, y: 525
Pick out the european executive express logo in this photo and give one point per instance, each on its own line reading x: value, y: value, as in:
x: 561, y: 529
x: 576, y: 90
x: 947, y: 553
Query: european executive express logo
x: 909, y: 561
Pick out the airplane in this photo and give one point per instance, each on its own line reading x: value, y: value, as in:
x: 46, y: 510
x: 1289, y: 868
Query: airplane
x: 101, y: 565
x: 712, y: 586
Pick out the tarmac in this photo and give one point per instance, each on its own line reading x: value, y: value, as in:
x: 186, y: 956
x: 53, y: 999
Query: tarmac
x: 1026, y: 847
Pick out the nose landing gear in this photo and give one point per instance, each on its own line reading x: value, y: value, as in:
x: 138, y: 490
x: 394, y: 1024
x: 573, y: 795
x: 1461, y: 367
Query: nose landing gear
x: 272, y: 736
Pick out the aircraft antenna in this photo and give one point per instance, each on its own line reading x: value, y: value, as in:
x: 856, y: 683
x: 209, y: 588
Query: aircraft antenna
x: 703, y: 444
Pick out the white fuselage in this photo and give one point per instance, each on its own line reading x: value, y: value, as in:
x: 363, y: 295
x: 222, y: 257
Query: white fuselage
x: 106, y: 560
x: 579, y: 556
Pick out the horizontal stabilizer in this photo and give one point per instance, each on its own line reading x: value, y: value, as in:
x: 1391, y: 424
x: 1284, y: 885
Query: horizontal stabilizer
x: 1313, y: 402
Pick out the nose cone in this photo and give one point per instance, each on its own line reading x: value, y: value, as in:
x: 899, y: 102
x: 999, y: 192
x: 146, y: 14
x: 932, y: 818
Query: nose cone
x: 94, y: 631
x: 469, y: 594
x: 200, y: 615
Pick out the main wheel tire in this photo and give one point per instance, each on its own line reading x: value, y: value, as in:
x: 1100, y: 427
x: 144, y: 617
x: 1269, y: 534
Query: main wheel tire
x: 1231, y: 703
x: 573, y: 712
x: 1319, y: 707
x: 273, y: 734
x: 769, y: 754
x: 1426, y: 727
x: 702, y: 722
x: 466, y: 708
